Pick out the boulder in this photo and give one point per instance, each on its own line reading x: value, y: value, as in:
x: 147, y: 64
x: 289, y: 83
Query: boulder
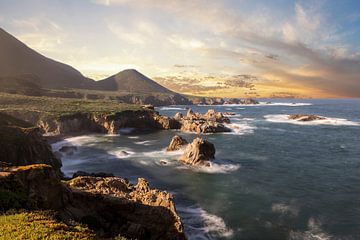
x: 176, y: 143
x: 305, y: 117
x: 199, y: 152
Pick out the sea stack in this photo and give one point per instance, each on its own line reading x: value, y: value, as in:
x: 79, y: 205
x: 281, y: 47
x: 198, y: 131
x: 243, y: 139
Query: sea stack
x: 199, y: 152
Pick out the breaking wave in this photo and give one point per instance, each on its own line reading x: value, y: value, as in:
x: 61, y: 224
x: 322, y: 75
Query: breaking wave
x: 240, y: 128
x: 200, y: 224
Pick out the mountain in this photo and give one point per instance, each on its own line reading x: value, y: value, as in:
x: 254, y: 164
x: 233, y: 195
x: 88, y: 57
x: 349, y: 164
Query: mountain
x: 26, y: 72
x: 131, y: 81
x: 18, y: 59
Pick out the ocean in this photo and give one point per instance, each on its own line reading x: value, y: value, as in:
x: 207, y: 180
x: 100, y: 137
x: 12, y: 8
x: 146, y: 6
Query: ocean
x: 272, y: 178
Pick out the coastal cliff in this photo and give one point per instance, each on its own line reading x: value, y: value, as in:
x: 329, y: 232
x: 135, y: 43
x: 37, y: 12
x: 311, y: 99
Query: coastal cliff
x: 110, y: 207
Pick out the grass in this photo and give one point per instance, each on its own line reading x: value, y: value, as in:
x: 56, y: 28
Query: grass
x: 40, y: 225
x: 50, y: 108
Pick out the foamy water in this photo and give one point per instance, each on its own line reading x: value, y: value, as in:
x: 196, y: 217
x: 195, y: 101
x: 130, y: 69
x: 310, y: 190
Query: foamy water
x: 283, y: 118
x: 200, y: 224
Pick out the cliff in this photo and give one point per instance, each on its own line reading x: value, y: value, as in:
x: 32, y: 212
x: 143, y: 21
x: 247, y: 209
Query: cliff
x: 108, y: 206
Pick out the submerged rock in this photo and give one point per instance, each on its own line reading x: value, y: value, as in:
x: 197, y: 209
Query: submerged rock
x: 199, y: 152
x: 229, y: 113
x: 69, y: 150
x: 305, y: 117
x: 176, y: 143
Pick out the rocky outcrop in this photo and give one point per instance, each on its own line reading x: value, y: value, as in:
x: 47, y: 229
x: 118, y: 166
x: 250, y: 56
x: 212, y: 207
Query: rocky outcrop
x: 134, y: 211
x: 221, y: 101
x: 176, y: 143
x: 23, y: 145
x: 210, y: 122
x: 305, y: 117
x: 199, y: 152
x: 107, y: 123
x: 110, y: 206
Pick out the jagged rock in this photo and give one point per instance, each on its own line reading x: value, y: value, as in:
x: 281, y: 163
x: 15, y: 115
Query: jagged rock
x: 69, y: 150
x: 109, y: 205
x: 305, y: 117
x: 99, y: 174
x: 190, y: 114
x: 199, y: 152
x: 176, y: 143
x: 178, y: 116
x: 134, y: 211
x: 214, y: 116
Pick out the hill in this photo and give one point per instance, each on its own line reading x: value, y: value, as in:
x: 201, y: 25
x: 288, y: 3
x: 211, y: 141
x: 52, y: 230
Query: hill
x: 131, y: 81
x: 17, y: 59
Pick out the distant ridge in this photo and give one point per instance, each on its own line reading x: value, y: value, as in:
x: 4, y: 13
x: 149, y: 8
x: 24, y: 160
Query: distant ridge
x: 131, y: 81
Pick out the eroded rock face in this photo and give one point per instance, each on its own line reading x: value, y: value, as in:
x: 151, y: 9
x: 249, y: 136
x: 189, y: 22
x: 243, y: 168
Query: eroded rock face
x: 305, y: 117
x: 25, y: 146
x: 176, y: 143
x: 199, y: 152
x: 134, y: 211
x: 108, y: 205
x: 104, y: 123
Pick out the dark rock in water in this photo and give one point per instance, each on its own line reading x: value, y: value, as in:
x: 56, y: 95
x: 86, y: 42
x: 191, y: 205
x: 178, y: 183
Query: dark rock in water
x: 124, y: 153
x: 69, y: 150
x: 176, y: 143
x: 86, y: 174
x: 163, y: 162
x: 229, y: 113
x: 305, y: 117
x: 199, y: 152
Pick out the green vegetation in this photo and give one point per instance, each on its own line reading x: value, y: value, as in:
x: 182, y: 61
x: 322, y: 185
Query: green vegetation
x: 47, y: 107
x: 40, y: 225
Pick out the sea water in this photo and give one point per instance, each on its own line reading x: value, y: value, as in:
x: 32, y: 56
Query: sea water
x: 273, y: 178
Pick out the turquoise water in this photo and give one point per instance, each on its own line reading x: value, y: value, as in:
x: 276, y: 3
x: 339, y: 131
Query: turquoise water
x: 272, y: 178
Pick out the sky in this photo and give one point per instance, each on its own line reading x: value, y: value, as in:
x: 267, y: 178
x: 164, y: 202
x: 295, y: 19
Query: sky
x: 226, y: 48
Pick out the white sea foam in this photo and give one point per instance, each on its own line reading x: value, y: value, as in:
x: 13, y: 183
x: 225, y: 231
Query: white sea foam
x: 146, y: 142
x: 214, y: 168
x: 314, y: 232
x: 261, y: 104
x: 74, y: 141
x: 122, y: 153
x: 134, y: 137
x: 240, y: 128
x: 283, y: 118
x: 172, y: 108
x: 285, y: 209
x: 200, y: 224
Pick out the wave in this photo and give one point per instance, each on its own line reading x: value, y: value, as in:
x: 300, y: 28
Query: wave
x: 261, y: 104
x: 314, y: 232
x: 146, y: 142
x: 74, y: 141
x: 214, y: 168
x: 200, y: 224
x: 122, y: 153
x: 283, y: 118
x: 134, y: 137
x: 240, y: 128
x: 172, y: 108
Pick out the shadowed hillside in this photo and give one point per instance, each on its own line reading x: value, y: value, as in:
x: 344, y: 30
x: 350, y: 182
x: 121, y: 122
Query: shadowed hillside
x: 131, y: 81
x: 18, y: 59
